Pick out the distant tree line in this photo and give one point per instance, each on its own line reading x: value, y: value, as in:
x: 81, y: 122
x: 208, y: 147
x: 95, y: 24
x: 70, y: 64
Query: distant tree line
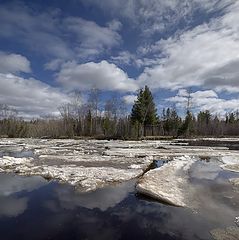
x: 110, y: 120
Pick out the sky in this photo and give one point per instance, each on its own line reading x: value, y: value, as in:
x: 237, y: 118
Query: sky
x: 49, y: 49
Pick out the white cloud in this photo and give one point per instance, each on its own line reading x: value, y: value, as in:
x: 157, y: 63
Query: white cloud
x: 102, y: 75
x: 122, y: 8
x: 204, y: 94
x: 54, y: 64
x: 205, y: 100
x: 30, y: 97
x: 157, y: 15
x: 129, y: 99
x: 40, y: 32
x: 50, y: 34
x: 115, y: 25
x: 13, y: 63
x: 124, y: 58
x: 207, y: 55
x: 92, y: 38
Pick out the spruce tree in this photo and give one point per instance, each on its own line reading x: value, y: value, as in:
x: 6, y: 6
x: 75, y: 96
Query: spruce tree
x: 171, y: 121
x: 187, y: 128
x: 144, y: 111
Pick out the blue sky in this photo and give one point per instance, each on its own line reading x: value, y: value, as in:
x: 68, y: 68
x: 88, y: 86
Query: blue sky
x: 50, y: 48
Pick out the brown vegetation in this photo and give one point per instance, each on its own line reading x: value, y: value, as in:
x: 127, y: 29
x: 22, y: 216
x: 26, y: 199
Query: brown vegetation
x: 109, y: 120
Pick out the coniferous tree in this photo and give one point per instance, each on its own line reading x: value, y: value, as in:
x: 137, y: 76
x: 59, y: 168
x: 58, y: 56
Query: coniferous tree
x: 171, y: 122
x: 144, y: 111
x: 204, y: 119
x: 88, y: 120
x: 187, y: 128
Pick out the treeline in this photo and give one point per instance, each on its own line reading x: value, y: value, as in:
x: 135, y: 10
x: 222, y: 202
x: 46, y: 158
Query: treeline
x: 109, y: 119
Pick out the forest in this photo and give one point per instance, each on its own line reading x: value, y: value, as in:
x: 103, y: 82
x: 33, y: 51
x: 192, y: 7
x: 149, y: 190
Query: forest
x: 111, y: 120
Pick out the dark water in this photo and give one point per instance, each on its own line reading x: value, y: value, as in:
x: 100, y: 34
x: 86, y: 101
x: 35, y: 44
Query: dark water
x: 159, y: 163
x: 32, y: 208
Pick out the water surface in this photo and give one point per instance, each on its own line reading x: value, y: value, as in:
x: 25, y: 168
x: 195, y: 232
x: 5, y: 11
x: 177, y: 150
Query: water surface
x: 32, y: 208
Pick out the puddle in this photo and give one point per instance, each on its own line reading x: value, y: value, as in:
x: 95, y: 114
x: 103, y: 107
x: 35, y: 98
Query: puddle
x: 32, y: 208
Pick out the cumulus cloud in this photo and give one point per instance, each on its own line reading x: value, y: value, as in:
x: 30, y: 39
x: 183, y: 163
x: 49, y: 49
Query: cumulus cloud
x: 204, y: 56
x: 205, y: 100
x: 92, y: 38
x: 129, y: 99
x: 204, y: 94
x: 102, y: 75
x: 13, y: 63
x: 50, y: 34
x: 38, y: 31
x: 30, y: 97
